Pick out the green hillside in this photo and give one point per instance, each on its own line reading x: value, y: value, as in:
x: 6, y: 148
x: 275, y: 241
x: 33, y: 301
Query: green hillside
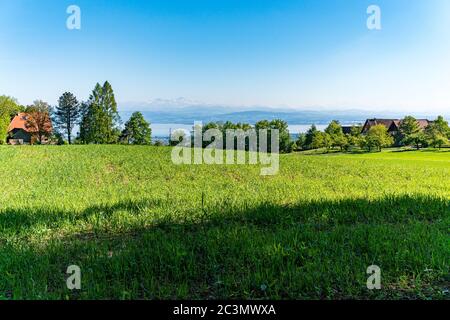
x: 141, y: 227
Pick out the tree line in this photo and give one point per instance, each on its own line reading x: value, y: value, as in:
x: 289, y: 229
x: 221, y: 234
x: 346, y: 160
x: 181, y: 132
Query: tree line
x: 286, y: 144
x: 97, y: 118
x: 436, y: 134
x: 99, y: 122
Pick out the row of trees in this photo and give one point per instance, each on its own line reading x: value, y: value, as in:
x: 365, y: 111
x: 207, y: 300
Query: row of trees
x: 98, y: 119
x: 377, y: 137
x: 286, y: 145
x: 333, y: 137
x: 436, y: 134
x: 99, y: 123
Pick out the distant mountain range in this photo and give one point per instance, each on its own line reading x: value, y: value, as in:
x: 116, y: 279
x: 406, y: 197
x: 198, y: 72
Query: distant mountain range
x: 182, y: 111
x: 188, y: 116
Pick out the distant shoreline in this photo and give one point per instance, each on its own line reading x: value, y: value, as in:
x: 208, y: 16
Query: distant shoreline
x: 162, y: 130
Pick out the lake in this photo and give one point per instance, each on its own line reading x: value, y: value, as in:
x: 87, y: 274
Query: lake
x: 162, y: 130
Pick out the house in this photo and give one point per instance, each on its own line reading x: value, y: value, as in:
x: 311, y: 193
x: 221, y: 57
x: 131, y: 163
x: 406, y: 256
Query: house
x: 392, y: 125
x: 20, y: 132
x: 347, y: 129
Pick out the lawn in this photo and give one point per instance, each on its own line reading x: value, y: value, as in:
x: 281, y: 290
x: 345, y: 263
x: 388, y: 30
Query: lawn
x: 141, y: 227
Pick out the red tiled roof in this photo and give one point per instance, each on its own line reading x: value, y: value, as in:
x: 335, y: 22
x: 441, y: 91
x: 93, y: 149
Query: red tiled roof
x: 20, y: 122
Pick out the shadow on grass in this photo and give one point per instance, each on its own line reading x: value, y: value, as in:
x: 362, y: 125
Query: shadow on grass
x: 310, y: 250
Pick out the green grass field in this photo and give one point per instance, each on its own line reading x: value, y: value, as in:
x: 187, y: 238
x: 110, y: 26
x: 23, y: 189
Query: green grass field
x: 142, y: 228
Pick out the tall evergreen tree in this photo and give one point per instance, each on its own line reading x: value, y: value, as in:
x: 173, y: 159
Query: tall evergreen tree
x: 100, y: 118
x: 309, y: 136
x: 67, y: 114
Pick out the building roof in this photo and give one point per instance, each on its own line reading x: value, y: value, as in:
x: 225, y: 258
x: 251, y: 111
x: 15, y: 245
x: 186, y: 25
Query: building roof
x: 347, y: 129
x: 20, y: 122
x: 392, y: 124
x: 423, y: 123
x: 386, y: 122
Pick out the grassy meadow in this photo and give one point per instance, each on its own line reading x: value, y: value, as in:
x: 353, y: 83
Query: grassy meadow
x: 141, y: 227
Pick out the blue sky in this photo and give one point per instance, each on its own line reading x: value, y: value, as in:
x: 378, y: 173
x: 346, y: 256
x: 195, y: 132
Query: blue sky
x: 301, y: 54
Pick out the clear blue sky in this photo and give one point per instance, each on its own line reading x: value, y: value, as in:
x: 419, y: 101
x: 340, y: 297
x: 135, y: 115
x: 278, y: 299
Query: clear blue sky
x: 250, y: 52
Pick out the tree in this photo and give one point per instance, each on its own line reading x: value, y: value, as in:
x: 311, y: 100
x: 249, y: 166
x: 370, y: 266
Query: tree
x: 438, y: 132
x: 243, y: 126
x: 411, y: 132
x: 309, y: 136
x: 327, y: 141
x: 286, y: 145
x: 320, y: 140
x: 284, y: 138
x: 301, y: 141
x: 39, y: 121
x: 437, y: 140
x: 137, y: 130
x: 8, y: 108
x: 223, y: 127
x: 85, y: 122
x: 355, y: 138
x: 338, y: 139
x: 441, y: 126
x: 378, y: 137
x: 67, y: 114
x: 100, y: 118
x: 264, y: 125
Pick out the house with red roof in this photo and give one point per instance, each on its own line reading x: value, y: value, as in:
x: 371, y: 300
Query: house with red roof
x: 22, y: 131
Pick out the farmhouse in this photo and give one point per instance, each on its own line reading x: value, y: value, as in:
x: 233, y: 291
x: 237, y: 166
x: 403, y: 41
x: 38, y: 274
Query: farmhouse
x: 20, y: 131
x: 392, y: 125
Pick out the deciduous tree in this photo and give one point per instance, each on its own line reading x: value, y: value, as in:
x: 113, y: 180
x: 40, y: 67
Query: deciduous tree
x: 378, y: 137
x: 338, y: 139
x: 38, y: 120
x: 438, y: 132
x: 8, y: 108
